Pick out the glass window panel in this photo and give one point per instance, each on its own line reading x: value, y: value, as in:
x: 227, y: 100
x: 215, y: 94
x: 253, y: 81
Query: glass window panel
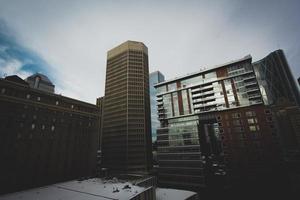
x: 175, y: 104
x: 172, y: 87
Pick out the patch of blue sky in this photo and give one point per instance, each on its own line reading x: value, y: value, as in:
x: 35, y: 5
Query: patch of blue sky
x: 17, y: 59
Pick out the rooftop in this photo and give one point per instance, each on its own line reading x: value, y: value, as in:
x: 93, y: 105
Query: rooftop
x: 43, y: 77
x: 90, y: 189
x: 172, y: 194
x: 128, y: 45
x: 248, y: 57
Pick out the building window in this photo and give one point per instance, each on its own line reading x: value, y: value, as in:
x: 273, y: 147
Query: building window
x: 237, y: 122
x: 252, y: 120
x: 32, y: 126
x: 43, y: 127
x: 56, y: 103
x: 38, y: 98
x: 254, y: 128
x: 268, y: 111
x: 72, y: 106
x: 235, y: 115
x: 269, y: 119
x: 2, y: 90
x: 28, y: 96
x: 250, y: 114
x: 52, y: 128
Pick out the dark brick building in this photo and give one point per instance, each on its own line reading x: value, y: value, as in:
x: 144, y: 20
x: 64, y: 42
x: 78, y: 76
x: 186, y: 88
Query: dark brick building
x: 44, y: 137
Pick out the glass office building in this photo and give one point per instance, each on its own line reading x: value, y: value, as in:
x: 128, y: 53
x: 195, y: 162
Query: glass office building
x: 277, y: 84
x: 279, y: 89
x: 154, y: 78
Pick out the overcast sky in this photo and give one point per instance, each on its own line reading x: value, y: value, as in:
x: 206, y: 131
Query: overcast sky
x: 68, y: 39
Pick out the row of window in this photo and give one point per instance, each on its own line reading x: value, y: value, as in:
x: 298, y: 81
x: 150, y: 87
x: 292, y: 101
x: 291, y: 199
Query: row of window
x: 55, y: 102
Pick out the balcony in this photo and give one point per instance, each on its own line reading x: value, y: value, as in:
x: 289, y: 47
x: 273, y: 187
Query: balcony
x: 199, y: 88
x: 159, y: 98
x: 248, y: 77
x: 160, y: 103
x: 254, y: 96
x: 203, y: 94
x: 203, y: 100
x: 159, y: 108
x: 250, y: 83
x: 209, y: 104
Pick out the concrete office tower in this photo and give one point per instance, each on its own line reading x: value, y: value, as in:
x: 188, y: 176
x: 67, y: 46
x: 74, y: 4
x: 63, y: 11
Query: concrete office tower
x: 126, y: 143
x: 154, y: 77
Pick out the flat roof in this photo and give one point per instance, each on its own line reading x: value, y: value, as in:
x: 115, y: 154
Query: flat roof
x: 173, y: 194
x: 90, y: 189
x: 128, y: 45
x: 248, y: 57
x: 48, y: 93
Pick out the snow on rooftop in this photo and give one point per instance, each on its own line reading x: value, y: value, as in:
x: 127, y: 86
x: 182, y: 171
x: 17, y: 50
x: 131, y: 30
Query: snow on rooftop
x: 91, y: 189
x: 172, y: 194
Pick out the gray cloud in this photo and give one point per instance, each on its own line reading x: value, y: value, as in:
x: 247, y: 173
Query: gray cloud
x: 182, y: 36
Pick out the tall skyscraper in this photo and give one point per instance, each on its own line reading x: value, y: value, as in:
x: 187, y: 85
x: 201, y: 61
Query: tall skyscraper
x: 126, y: 139
x: 154, y: 77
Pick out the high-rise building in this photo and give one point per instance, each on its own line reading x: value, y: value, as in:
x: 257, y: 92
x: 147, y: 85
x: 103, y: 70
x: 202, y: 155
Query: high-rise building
x: 154, y: 77
x: 280, y: 90
x: 214, y: 112
x: 276, y: 82
x: 126, y: 139
x: 45, y: 138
